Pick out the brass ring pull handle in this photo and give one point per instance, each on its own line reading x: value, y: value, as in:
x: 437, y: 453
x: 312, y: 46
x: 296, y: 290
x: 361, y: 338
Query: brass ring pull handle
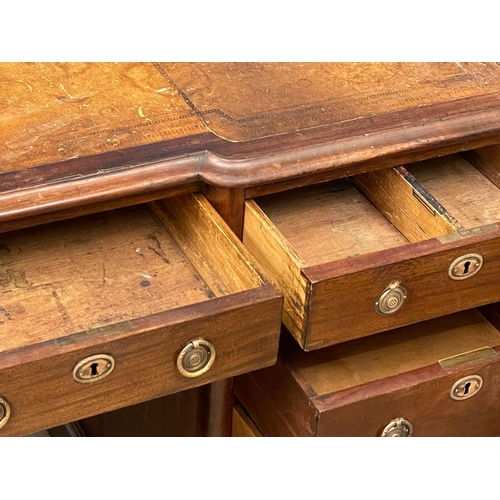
x: 391, y: 299
x: 4, y: 412
x: 399, y: 427
x: 196, y: 358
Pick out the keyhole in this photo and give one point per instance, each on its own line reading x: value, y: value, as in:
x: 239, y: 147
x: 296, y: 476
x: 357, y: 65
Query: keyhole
x: 466, y: 267
x: 466, y: 388
x: 93, y: 369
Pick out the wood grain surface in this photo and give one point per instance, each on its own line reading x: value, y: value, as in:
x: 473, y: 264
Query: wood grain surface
x: 337, y: 253
x: 86, y: 137
x: 330, y: 222
x: 38, y: 384
x: 390, y: 353
x: 281, y: 263
x: 70, y: 277
x: 425, y: 401
x: 406, y: 204
x: 282, y: 399
x: 466, y: 193
x: 487, y: 161
x: 421, y: 268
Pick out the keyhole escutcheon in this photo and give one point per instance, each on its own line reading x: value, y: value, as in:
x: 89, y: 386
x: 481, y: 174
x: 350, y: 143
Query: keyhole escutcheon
x: 465, y: 266
x: 93, y: 368
x: 466, y: 387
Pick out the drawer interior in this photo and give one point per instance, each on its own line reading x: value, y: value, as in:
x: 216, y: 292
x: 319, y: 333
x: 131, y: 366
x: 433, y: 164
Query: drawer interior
x: 433, y: 198
x: 383, y: 209
x: 112, y: 267
x: 392, y: 353
x: 330, y: 222
x: 465, y: 193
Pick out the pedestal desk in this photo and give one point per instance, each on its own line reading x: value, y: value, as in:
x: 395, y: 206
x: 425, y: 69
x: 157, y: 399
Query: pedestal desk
x: 161, y: 221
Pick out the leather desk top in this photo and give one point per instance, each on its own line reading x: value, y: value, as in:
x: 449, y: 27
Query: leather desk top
x: 74, y: 133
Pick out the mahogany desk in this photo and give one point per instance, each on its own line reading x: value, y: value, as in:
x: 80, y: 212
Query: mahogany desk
x: 86, y: 138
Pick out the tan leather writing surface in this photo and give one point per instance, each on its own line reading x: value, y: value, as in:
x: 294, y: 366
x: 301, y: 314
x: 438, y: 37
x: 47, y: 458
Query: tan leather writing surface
x: 53, y: 112
x: 241, y: 101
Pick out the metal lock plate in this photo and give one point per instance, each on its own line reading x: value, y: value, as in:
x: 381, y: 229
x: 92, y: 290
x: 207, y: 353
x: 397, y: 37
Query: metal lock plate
x: 93, y: 368
x: 391, y: 299
x: 465, y: 266
x: 196, y: 358
x: 466, y: 387
x: 399, y: 427
x: 4, y: 412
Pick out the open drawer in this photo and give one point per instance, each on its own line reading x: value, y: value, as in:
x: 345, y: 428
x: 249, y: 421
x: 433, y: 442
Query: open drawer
x: 112, y: 309
x: 436, y: 378
x: 380, y: 250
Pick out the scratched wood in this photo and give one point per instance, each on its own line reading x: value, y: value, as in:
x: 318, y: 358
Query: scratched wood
x: 67, y: 277
x: 336, y: 221
x: 54, y: 112
x: 467, y: 194
x: 92, y: 130
x: 120, y: 282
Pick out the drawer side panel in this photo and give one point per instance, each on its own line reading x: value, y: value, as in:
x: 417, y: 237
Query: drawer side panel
x: 281, y: 263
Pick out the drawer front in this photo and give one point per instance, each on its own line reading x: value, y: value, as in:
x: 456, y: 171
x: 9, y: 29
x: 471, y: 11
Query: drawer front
x: 39, y: 386
x: 343, y: 308
x: 164, y: 297
x: 280, y: 407
x: 426, y: 404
